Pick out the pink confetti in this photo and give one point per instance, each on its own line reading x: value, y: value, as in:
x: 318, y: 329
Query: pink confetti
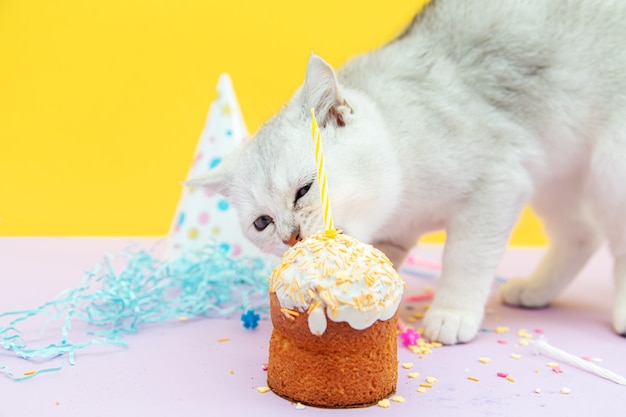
x: 502, y: 342
x: 426, y: 296
x: 264, y: 366
x: 409, y: 337
x: 502, y: 374
x: 557, y: 369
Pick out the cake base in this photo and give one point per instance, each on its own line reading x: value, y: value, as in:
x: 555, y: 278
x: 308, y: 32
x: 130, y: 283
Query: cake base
x: 342, y: 368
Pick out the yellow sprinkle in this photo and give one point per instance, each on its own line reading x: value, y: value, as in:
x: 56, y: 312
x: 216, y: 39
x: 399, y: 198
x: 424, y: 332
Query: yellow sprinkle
x: 510, y: 379
x: 523, y: 342
x: 397, y: 399
x: 223, y: 339
x: 263, y: 390
x: 502, y: 329
x: 431, y: 379
x: 407, y: 365
x: 426, y: 385
x: 411, y: 319
x: 33, y: 372
x: 418, y: 315
x: 436, y: 344
x: 473, y: 378
x: 414, y: 375
x: 384, y: 403
x: 421, y: 389
x: 524, y: 333
x: 232, y: 372
x: 516, y: 355
x: 566, y: 390
x: 553, y: 364
x: 484, y: 360
x: 183, y: 318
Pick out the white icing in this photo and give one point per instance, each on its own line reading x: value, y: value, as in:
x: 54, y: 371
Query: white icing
x: 337, y: 278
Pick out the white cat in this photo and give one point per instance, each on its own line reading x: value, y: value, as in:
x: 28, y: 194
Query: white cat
x: 477, y: 109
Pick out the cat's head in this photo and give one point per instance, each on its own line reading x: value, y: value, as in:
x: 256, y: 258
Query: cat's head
x: 272, y: 179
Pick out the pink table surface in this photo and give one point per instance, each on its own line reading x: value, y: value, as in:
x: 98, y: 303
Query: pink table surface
x: 180, y: 368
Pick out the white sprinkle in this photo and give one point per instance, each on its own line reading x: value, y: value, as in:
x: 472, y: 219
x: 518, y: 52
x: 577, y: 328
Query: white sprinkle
x: 300, y: 406
x: 566, y: 390
x: 537, y: 390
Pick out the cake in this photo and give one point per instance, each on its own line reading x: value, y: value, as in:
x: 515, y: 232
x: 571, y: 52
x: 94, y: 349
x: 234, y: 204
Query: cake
x: 333, y: 305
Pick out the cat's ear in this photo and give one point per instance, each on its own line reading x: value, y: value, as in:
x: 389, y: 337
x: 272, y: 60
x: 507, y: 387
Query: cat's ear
x: 217, y: 179
x: 321, y: 92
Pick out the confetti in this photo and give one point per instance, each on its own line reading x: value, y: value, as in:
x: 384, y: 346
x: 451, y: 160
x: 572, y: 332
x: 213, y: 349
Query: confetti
x: 537, y: 390
x: 502, y: 329
x: 264, y: 366
x: 223, y: 339
x: 421, y: 390
x: 300, y: 406
x: 133, y: 289
x: 473, y: 378
x: 484, y: 360
x: 510, y: 379
x: 384, y: 403
x: 397, y: 399
x: 502, y: 374
x: 516, y: 355
x: 414, y: 375
x: 250, y: 319
x: 407, y: 365
x: 431, y: 379
x: 426, y: 385
x: 263, y: 390
x: 409, y: 337
x: 566, y: 390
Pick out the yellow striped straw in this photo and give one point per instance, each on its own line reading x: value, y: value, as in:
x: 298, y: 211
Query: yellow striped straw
x: 321, y: 172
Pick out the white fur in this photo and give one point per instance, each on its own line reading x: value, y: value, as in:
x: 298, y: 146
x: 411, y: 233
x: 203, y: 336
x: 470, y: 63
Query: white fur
x: 477, y: 109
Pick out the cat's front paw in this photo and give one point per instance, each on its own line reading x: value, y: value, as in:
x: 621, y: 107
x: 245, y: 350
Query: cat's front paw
x: 451, y: 326
x: 523, y: 292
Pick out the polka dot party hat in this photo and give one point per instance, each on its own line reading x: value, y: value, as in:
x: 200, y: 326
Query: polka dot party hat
x: 204, y: 217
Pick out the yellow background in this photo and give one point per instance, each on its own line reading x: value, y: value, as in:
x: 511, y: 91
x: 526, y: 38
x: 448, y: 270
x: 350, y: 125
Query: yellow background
x: 102, y: 101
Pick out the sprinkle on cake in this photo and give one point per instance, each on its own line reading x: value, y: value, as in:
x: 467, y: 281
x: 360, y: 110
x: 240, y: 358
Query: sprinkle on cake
x: 333, y: 275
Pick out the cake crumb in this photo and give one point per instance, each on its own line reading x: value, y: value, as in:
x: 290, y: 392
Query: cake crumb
x: 397, y: 399
x: 263, y: 390
x: 384, y: 403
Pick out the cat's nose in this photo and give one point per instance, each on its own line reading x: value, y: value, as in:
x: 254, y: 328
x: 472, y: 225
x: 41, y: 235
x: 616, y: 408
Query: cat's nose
x: 295, y: 237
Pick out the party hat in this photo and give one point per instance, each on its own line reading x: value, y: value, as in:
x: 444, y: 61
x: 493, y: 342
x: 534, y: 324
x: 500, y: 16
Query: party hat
x: 203, y: 216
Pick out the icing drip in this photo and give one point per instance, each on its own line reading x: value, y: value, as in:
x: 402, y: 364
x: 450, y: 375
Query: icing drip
x: 334, y: 276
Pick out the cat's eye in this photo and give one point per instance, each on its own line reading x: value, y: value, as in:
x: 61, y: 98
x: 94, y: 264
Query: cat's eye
x: 262, y: 222
x: 302, y: 192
